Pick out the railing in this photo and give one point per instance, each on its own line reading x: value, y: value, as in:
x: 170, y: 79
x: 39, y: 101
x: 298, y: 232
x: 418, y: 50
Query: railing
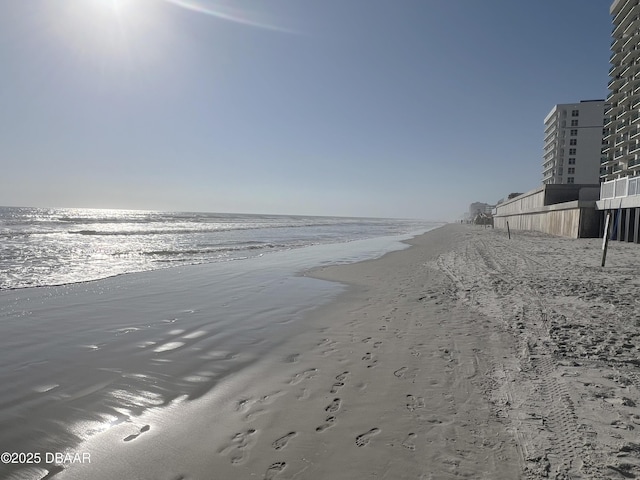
x: 621, y: 187
x: 633, y: 163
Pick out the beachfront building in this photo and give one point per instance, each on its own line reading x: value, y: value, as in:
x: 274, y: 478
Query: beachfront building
x: 479, y: 207
x: 573, y: 141
x: 620, y: 173
x: 621, y: 156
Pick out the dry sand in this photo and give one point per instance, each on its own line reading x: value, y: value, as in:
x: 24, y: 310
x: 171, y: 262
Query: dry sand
x: 466, y: 356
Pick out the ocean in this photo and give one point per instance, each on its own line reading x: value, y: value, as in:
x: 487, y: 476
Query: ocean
x: 57, y: 246
x: 148, y: 311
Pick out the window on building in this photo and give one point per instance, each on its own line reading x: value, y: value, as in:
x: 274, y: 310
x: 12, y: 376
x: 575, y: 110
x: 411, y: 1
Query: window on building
x: 572, y: 151
x: 570, y: 180
x: 574, y: 132
x: 573, y: 141
x: 571, y: 170
x: 572, y: 161
x: 575, y: 113
x: 574, y: 123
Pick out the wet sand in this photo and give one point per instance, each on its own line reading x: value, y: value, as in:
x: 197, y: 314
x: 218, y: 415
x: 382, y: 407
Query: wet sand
x: 466, y: 356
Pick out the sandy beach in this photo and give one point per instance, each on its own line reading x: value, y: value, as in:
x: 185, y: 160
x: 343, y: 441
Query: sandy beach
x: 468, y: 355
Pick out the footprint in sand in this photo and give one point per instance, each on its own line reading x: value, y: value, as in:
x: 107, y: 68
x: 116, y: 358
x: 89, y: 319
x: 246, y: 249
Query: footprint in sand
x: 366, y: 340
x: 293, y: 358
x: 243, y: 404
x: 299, y: 377
x: 239, y: 442
x: 334, y: 406
x: 377, y: 344
x: 274, y: 469
x: 340, y: 382
x: 304, y: 394
x: 408, y: 442
x: 252, y: 415
x: 369, y: 357
x: 281, y: 442
x: 146, y: 428
x: 362, y: 440
x: 400, y: 372
x: 336, y: 386
x: 414, y: 402
x: 328, y: 423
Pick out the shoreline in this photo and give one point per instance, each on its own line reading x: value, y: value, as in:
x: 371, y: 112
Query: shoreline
x: 123, y: 345
x: 362, y: 391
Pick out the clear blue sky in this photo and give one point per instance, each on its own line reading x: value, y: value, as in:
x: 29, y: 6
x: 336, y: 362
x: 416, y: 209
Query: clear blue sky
x: 403, y: 108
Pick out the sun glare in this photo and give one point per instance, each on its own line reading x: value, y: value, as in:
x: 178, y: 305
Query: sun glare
x: 231, y: 14
x: 111, y: 35
x: 100, y: 30
x: 114, y: 5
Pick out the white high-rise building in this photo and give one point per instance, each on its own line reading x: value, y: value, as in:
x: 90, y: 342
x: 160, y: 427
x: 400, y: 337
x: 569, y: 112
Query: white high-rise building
x: 622, y: 155
x: 573, y: 143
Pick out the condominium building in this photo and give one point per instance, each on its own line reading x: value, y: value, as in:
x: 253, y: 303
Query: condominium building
x: 620, y: 172
x: 621, y: 156
x: 573, y: 143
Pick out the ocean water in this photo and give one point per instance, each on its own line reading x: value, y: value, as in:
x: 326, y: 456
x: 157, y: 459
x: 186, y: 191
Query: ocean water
x: 82, y: 357
x: 57, y: 246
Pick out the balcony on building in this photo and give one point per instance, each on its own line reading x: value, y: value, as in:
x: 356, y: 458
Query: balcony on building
x: 623, y: 19
x: 605, y: 160
x: 616, y: 69
x: 606, y: 173
x: 551, y: 128
x: 624, y: 9
x: 632, y: 24
x: 608, y: 122
x: 623, y: 121
x: 616, y: 56
x: 615, y: 82
x: 614, y: 109
x: 550, y: 136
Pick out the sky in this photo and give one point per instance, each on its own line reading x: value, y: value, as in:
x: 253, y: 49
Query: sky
x: 382, y: 108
